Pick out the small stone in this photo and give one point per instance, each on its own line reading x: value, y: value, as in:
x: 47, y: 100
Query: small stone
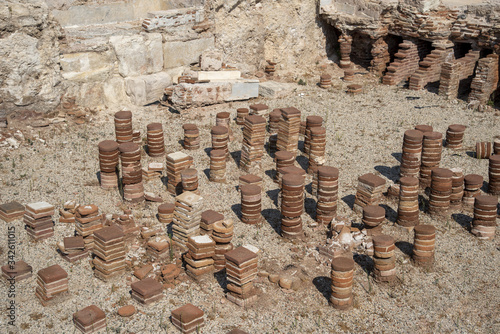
x: 274, y: 278
x: 285, y: 282
x: 126, y: 311
x: 143, y: 271
x: 263, y: 274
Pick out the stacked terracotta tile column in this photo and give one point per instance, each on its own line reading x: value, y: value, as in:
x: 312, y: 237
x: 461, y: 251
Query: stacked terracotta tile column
x: 199, y: 258
x: 325, y: 81
x: 455, y: 136
x: 412, y: 151
x: 222, y: 234
x: 241, y: 270
x: 189, y: 180
x: 274, y: 120
x: 327, y: 194
x: 408, y: 202
x: 176, y: 163
x: 457, y: 188
x: 342, y: 276
x: 220, y: 139
x: 472, y: 188
x: 384, y: 258
x: 282, y: 159
x: 123, y: 127
x: 288, y: 132
x: 251, y: 204
x: 166, y: 213
x: 110, y: 253
x: 424, y: 245
x: 431, y: 155
x: 441, y: 188
x: 317, y: 149
x: 130, y: 156
x: 241, y: 114
x: 156, y: 144
x: 494, y: 175
x: 191, y: 137
x: 109, y: 158
x: 222, y: 119
x: 424, y: 128
x: 373, y: 216
x: 485, y: 216
x: 218, y: 166
x: 484, y: 149
x: 292, y: 205
x: 187, y: 217
x: 38, y: 220
x: 369, y: 190
x: 254, y: 137
x: 496, y: 146
x: 311, y: 122
x: 345, y: 51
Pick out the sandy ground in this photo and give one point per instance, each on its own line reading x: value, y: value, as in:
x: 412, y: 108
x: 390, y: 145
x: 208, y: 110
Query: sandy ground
x: 460, y: 295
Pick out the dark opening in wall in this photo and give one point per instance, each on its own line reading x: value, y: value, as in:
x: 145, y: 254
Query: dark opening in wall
x: 332, y: 46
x: 424, y: 48
x: 361, y: 49
x: 393, y: 42
x: 484, y: 52
x: 461, y: 49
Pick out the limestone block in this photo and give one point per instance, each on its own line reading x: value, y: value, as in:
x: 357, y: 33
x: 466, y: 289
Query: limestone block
x: 211, y: 60
x: 114, y: 92
x: 424, y: 5
x: 85, y: 66
x: 185, y: 95
x: 180, y: 53
x: 138, y: 54
x: 275, y: 89
x: 146, y: 89
x: 173, y: 18
x: 175, y: 73
x: 218, y: 75
x: 244, y: 89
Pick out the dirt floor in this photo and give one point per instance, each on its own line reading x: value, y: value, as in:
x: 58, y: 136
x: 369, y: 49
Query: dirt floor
x: 461, y: 294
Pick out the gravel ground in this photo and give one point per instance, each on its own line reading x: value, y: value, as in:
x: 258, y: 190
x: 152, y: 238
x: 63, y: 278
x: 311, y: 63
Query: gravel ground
x: 460, y: 294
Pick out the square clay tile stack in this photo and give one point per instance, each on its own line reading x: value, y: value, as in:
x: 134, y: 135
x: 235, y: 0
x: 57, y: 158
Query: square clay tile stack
x: 342, y: 277
x: 158, y: 247
x: 311, y: 122
x: 424, y: 128
x: 494, y: 175
x: 259, y: 109
x: 166, y: 213
x: 408, y: 202
x: 176, y: 163
x: 327, y: 194
x: 317, y: 148
x: 254, y: 137
x: 126, y: 223
x: 208, y: 219
x: 123, y: 127
x: 369, y: 191
x: 218, y: 166
x: 147, y: 291
x: 325, y: 81
x: 432, y: 147
x: 110, y: 253
x: 130, y: 156
x: 187, y: 217
x: 412, y: 152
x: 189, y: 180
x: 288, y: 131
x: 496, y: 145
x: 38, y: 220
x: 222, y: 235
x: 68, y: 212
x: 457, y: 188
x: 282, y: 159
x: 156, y: 143
x: 484, y: 150
x: 51, y: 282
x: 136, y: 135
x: 292, y: 205
x: 250, y: 179
x: 241, y: 270
x: 241, y: 114
x: 354, y: 89
x: 384, y: 258
x: 152, y: 171
x: 472, y: 188
x: 191, y: 136
x: 109, y: 157
x: 274, y: 121
x: 441, y: 187
x: 73, y: 248
x: 222, y: 119
x: 455, y: 136
x: 11, y: 211
x: 88, y: 220
x: 423, y: 245
x: 17, y: 272
x: 199, y: 258
x: 90, y: 319
x: 302, y: 129
x: 220, y: 139
x: 188, y: 319
x: 251, y: 204
x: 373, y: 216
x: 485, y: 217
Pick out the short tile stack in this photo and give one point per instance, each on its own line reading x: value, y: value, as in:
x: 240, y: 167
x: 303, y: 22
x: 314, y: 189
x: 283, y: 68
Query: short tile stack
x: 52, y: 282
x: 259, y: 109
x: 472, y: 188
x: 136, y: 135
x: 408, y: 202
x: 325, y: 81
x: 327, y: 194
x: 455, y: 136
x: 166, y: 213
x: 220, y: 139
x: 158, y: 248
x: 354, y: 89
x: 251, y: 204
x: 441, y: 188
x: 241, y: 114
x: 241, y: 270
x: 222, y: 235
x: 222, y: 119
x: 88, y: 220
x: 208, y: 219
x: 127, y: 224
x: 217, y: 166
x: 317, y: 149
x: 191, y: 137
x: 274, y: 121
x: 189, y: 179
x: 11, y: 211
x: 424, y: 128
x: 199, y: 258
x: 288, y: 131
x: 109, y: 248
x: 431, y: 156
x: 147, y: 291
x: 73, y: 249
x: 485, y: 216
x: 373, y: 216
x: 348, y: 74
x: 494, y: 175
x: 384, y: 258
x: 153, y: 171
x: 369, y: 191
x: 484, y: 150
x: 68, y: 212
x: 187, y: 217
x: 90, y: 319
x: 188, y: 319
x: 282, y: 159
x: 156, y: 144
x: 130, y: 156
x: 19, y: 271
x: 342, y: 276
x: 457, y: 188
x: 254, y: 137
x: 123, y: 127
x: 302, y: 130
x: 38, y: 220
x: 496, y: 145
x: 250, y: 179
x: 311, y: 122
x: 423, y: 245
x: 109, y: 157
x: 412, y: 151
x: 292, y: 205
x: 176, y: 163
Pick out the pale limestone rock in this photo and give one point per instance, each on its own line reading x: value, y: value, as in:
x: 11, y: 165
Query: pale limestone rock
x: 211, y: 60
x: 147, y: 89
x: 86, y: 66
x: 180, y: 53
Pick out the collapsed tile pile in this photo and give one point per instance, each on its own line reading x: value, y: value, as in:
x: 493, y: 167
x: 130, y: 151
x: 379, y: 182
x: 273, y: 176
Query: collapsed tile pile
x: 423, y: 245
x: 373, y: 216
x: 251, y: 204
x: 485, y: 216
x: 217, y: 166
x: 288, y: 131
x: 109, y: 248
x: 222, y: 234
x: 208, y: 219
x: 311, y: 122
x: 259, y: 109
x: 176, y: 163
x: 91, y: 319
x: 494, y: 175
x: 187, y: 216
x: 156, y: 143
x: 152, y: 171
x: 199, y: 258
x: 73, y: 249
x: 11, y: 211
x: 220, y: 139
x: 166, y: 213
x: 147, y: 291
x: 457, y: 188
x: 123, y: 127
x: 292, y: 205
x: 408, y: 202
x: 38, y: 220
x: 325, y: 81
x: 412, y: 151
x: 191, y: 137
x: 472, y: 188
x: 241, y: 114
x: 484, y: 150
x: 88, y: 220
x: 455, y: 136
x: 432, y: 146
x: 369, y: 190
x: 342, y: 276
x: 19, y: 271
x: 282, y: 159
x: 188, y: 319
x: 254, y: 137
x: 126, y: 223
x: 241, y: 270
x: 384, y: 258
x: 317, y: 148
x: 189, y: 180
x: 52, y: 282
x: 327, y: 194
x: 68, y: 212
x: 130, y: 156
x: 158, y: 248
x: 441, y: 188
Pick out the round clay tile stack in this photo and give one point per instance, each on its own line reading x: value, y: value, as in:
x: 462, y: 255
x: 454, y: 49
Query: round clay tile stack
x: 292, y: 205
x: 156, y: 144
x: 327, y: 194
x: 455, y: 136
x: 217, y: 166
x: 311, y: 122
x: 270, y: 69
x: 484, y: 150
x: 325, y: 81
x: 354, y: 89
x: 412, y: 151
x: 282, y: 159
x: 166, y: 213
x: 317, y: 149
x: 109, y: 156
x: 251, y: 204
x: 485, y: 216
x: 222, y: 234
x: 424, y: 128
x: 254, y: 137
x: 222, y: 119
x: 496, y: 145
x: 424, y: 245
x: 349, y: 74
x: 494, y: 175
x: 136, y: 137
x: 130, y: 156
x: 373, y: 216
x: 241, y: 113
x: 302, y: 130
x: 191, y: 137
x: 384, y: 258
x: 408, y: 202
x: 290, y: 170
x: 457, y: 188
x: 431, y: 155
x: 342, y: 276
x: 220, y: 139
x: 288, y: 131
x: 472, y: 188
x: 441, y: 187
x: 189, y: 179
x: 123, y: 126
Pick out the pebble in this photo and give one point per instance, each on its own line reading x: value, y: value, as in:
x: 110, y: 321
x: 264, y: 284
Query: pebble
x: 126, y: 311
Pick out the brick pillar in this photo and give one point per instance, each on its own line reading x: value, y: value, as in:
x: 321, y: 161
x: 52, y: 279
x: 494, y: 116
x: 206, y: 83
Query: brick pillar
x: 430, y: 67
x: 454, y: 71
x: 345, y: 51
x: 380, y: 56
x: 405, y: 64
x: 486, y: 79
